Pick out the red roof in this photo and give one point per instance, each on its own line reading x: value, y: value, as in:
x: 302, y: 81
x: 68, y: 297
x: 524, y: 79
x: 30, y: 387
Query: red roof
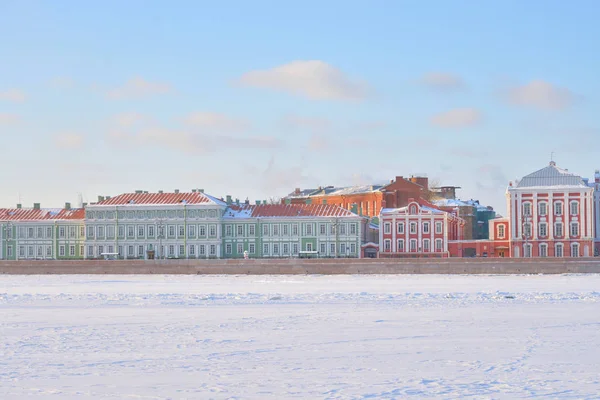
x: 287, y: 210
x: 33, y: 214
x: 160, y: 198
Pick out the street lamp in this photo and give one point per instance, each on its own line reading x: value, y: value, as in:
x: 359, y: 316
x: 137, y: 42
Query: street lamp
x: 526, y: 218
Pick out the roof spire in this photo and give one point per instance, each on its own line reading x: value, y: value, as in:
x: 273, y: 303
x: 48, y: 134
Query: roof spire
x: 552, y: 159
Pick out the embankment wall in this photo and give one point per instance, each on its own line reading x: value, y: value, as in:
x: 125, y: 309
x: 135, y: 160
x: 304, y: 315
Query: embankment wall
x: 306, y: 266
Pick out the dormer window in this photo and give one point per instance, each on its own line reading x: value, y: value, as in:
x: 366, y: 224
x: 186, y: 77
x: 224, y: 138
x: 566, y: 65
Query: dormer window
x: 413, y: 209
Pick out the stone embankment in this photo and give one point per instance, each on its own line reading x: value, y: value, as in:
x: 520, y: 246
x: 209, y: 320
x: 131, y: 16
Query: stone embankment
x: 307, y: 266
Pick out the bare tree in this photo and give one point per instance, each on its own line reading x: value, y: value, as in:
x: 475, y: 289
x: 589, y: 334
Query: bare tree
x: 431, y: 193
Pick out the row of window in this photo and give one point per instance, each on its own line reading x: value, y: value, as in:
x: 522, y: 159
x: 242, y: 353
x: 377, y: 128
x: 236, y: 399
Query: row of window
x: 151, y: 214
x: 543, y: 229
x: 140, y: 250
x: 287, y: 229
x: 47, y: 232
x: 425, y: 227
x: 543, y: 208
x: 558, y: 250
x: 151, y: 231
x: 284, y: 249
x: 44, y: 251
x: 413, y: 246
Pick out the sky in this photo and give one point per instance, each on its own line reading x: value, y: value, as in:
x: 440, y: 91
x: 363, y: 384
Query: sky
x: 253, y: 99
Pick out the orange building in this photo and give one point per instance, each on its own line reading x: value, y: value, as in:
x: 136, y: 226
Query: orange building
x: 368, y: 200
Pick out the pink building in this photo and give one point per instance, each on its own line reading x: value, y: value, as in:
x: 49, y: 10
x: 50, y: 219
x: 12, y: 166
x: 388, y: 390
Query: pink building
x: 551, y: 214
x: 419, y: 229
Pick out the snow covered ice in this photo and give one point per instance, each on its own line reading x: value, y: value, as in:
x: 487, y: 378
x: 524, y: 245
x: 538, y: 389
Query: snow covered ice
x: 317, y: 337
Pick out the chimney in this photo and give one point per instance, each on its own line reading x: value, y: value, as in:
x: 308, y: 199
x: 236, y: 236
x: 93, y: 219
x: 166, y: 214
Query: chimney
x: 67, y: 206
x: 139, y: 191
x: 297, y: 191
x: 258, y: 202
x: 36, y: 206
x: 597, y: 176
x: 19, y: 206
x: 246, y: 202
x: 176, y: 191
x: 193, y: 190
x: 83, y: 204
x: 237, y: 202
x: 228, y: 201
x: 160, y: 192
x: 200, y: 190
x: 100, y: 198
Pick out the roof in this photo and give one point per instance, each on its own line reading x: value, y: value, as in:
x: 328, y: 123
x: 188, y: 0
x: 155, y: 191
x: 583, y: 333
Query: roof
x: 461, y: 203
x: 336, y: 191
x: 160, y: 198
x: 286, y: 210
x: 36, y: 214
x: 551, y: 176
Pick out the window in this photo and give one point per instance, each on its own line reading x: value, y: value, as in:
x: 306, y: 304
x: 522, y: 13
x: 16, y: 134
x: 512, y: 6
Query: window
x: 181, y: 230
x: 110, y: 232
x: 61, y: 232
x: 543, y: 250
x: 251, y: 248
x: 171, y: 250
x: 276, y: 249
x: 285, y: 230
x: 130, y: 251
x: 61, y: 251
x: 323, y: 248
x: 111, y: 249
x: 309, y: 247
x: 121, y: 231
x: 240, y: 248
x: 558, y: 208
x: 240, y: 230
x: 228, y: 248
x: 575, y: 250
x: 526, y: 208
x: 558, y: 229
x: 72, y: 232
x: 543, y: 208
x: 286, y: 249
x: 295, y: 248
x: 559, y: 250
x: 342, y: 248
x: 202, y: 230
x: 387, y: 227
x: 40, y: 251
x: 100, y: 232
x: 192, y: 250
x: 543, y: 229
x: 400, y: 246
x: 30, y: 232
x: 9, y: 251
x: 438, y: 227
x: 71, y: 251
x: 501, y: 232
x: 426, y: 245
x: 266, y: 249
x: 309, y: 229
x: 387, y: 245
x: 574, y: 207
x: 100, y: 250
x: 322, y: 229
x: 527, y: 250
x: 141, y: 230
x: 425, y: 227
x: 81, y: 251
x: 413, y: 227
x: 49, y: 232
x: 181, y: 250
x: 130, y: 231
x: 342, y: 229
x: 22, y: 232
x: 213, y: 232
x: 527, y: 230
x: 413, y: 209
x: 251, y: 230
x: 353, y: 229
x: 401, y: 228
x: 352, y: 248
x: 21, y: 251
x: 151, y: 231
x: 202, y: 249
x: 265, y: 230
x: 228, y: 230
x: 438, y: 244
x: 275, y: 230
x: 413, y: 245
x: 192, y: 231
x: 295, y: 229
x: 574, y: 229
x: 90, y: 251
x: 332, y: 229
x: 81, y: 232
x: 40, y: 232
x: 49, y: 251
x: 140, y: 251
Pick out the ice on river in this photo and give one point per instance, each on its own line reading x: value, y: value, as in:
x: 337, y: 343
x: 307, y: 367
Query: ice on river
x: 317, y: 337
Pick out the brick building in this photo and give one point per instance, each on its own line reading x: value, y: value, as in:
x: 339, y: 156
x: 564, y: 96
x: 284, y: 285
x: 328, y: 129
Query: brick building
x: 498, y: 244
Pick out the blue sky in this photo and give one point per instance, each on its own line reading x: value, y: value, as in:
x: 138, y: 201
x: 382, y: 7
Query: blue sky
x: 256, y: 98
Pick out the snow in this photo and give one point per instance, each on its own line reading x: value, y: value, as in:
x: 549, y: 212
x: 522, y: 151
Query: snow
x: 325, y: 337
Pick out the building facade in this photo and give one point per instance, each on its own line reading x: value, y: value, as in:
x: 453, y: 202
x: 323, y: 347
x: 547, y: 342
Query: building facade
x: 144, y: 225
x: 41, y: 233
x: 551, y: 214
x: 596, y: 186
x: 291, y: 230
x: 419, y: 229
x: 497, y: 245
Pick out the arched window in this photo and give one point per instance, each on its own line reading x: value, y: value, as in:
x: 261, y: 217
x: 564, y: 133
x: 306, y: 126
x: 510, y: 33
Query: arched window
x: 413, y: 209
x: 575, y: 250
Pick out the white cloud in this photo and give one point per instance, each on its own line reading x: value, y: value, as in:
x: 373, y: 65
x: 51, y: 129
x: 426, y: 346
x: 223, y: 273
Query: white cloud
x: 311, y: 79
x: 13, y: 95
x: 7, y: 119
x: 128, y: 119
x: 69, y: 141
x: 542, y: 95
x: 216, y: 122
x: 311, y: 124
x: 443, y: 81
x: 138, y: 87
x: 457, y: 118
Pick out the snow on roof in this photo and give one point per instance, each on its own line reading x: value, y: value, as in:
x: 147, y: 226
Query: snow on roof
x: 36, y: 214
x: 161, y: 198
x: 460, y: 203
x: 286, y: 210
x: 354, y: 190
x: 551, y: 176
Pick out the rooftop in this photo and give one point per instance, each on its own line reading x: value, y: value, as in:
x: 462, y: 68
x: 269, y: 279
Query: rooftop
x: 551, y: 176
x: 161, y: 198
x: 36, y: 214
x: 286, y: 210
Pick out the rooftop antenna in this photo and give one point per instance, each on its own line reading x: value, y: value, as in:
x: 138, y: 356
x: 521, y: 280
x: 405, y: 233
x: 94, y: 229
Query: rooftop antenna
x: 551, y: 156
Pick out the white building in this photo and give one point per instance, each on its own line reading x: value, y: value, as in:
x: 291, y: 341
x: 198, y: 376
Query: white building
x: 551, y: 214
x: 144, y: 225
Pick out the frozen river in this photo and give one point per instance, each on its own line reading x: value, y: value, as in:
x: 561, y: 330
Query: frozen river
x: 315, y: 337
